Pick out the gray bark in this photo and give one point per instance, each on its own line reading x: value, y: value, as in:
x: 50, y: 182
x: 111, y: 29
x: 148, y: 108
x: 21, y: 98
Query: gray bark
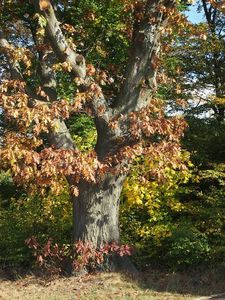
x: 59, y: 42
x: 96, y: 211
x: 140, y: 83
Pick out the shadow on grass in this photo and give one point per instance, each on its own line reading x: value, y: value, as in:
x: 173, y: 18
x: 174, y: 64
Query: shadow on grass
x: 202, y: 281
x: 14, y: 273
x: 199, y: 283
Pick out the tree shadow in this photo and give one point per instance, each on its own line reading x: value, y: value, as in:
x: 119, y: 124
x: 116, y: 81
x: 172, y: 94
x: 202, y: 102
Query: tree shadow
x: 207, y: 282
x: 12, y: 272
x: 19, y: 272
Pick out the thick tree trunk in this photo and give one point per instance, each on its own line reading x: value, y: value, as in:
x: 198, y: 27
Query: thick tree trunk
x: 96, y: 211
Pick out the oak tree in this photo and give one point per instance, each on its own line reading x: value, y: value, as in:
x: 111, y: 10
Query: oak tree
x: 37, y: 146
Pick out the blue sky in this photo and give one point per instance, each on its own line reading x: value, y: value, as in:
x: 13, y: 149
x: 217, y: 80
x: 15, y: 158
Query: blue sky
x: 193, y: 15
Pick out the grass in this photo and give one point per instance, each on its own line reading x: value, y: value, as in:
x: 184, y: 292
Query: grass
x: 90, y: 287
x: 155, y: 284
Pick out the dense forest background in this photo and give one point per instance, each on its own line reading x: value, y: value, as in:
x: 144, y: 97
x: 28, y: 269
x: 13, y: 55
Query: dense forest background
x: 176, y: 220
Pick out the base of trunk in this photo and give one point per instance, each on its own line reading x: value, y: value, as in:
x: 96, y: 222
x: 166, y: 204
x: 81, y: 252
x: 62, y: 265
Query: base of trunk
x: 115, y: 264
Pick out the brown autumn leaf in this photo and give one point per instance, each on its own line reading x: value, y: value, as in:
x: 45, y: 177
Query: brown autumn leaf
x: 44, y: 4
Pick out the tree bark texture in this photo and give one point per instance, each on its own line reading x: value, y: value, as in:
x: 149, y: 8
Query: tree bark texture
x: 96, y: 211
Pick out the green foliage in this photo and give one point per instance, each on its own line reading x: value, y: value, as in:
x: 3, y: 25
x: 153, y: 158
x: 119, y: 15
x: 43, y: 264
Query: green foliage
x: 183, y: 223
x: 149, y: 205
x: 205, y: 138
x: 65, y: 88
x: 103, y: 24
x: 22, y: 216
x: 13, y: 9
x: 187, y: 246
x: 83, y: 131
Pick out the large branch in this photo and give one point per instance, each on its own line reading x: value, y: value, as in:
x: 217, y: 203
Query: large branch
x: 65, y: 53
x: 9, y: 52
x: 100, y: 109
x: 61, y: 137
x: 59, y: 43
x: 140, y: 82
x: 6, y: 48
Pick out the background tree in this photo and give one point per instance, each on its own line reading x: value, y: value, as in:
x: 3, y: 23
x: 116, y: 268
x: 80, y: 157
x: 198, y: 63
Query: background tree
x: 196, y: 61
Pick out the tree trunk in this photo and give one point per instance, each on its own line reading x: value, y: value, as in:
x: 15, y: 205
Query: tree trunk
x: 96, y: 211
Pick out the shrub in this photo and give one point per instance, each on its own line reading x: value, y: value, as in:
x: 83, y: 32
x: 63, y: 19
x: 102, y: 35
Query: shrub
x: 22, y: 216
x: 187, y: 246
x: 57, y: 259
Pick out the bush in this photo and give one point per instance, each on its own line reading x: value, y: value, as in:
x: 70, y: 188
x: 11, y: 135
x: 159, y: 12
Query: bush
x: 187, y: 246
x: 22, y: 216
x: 185, y: 229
